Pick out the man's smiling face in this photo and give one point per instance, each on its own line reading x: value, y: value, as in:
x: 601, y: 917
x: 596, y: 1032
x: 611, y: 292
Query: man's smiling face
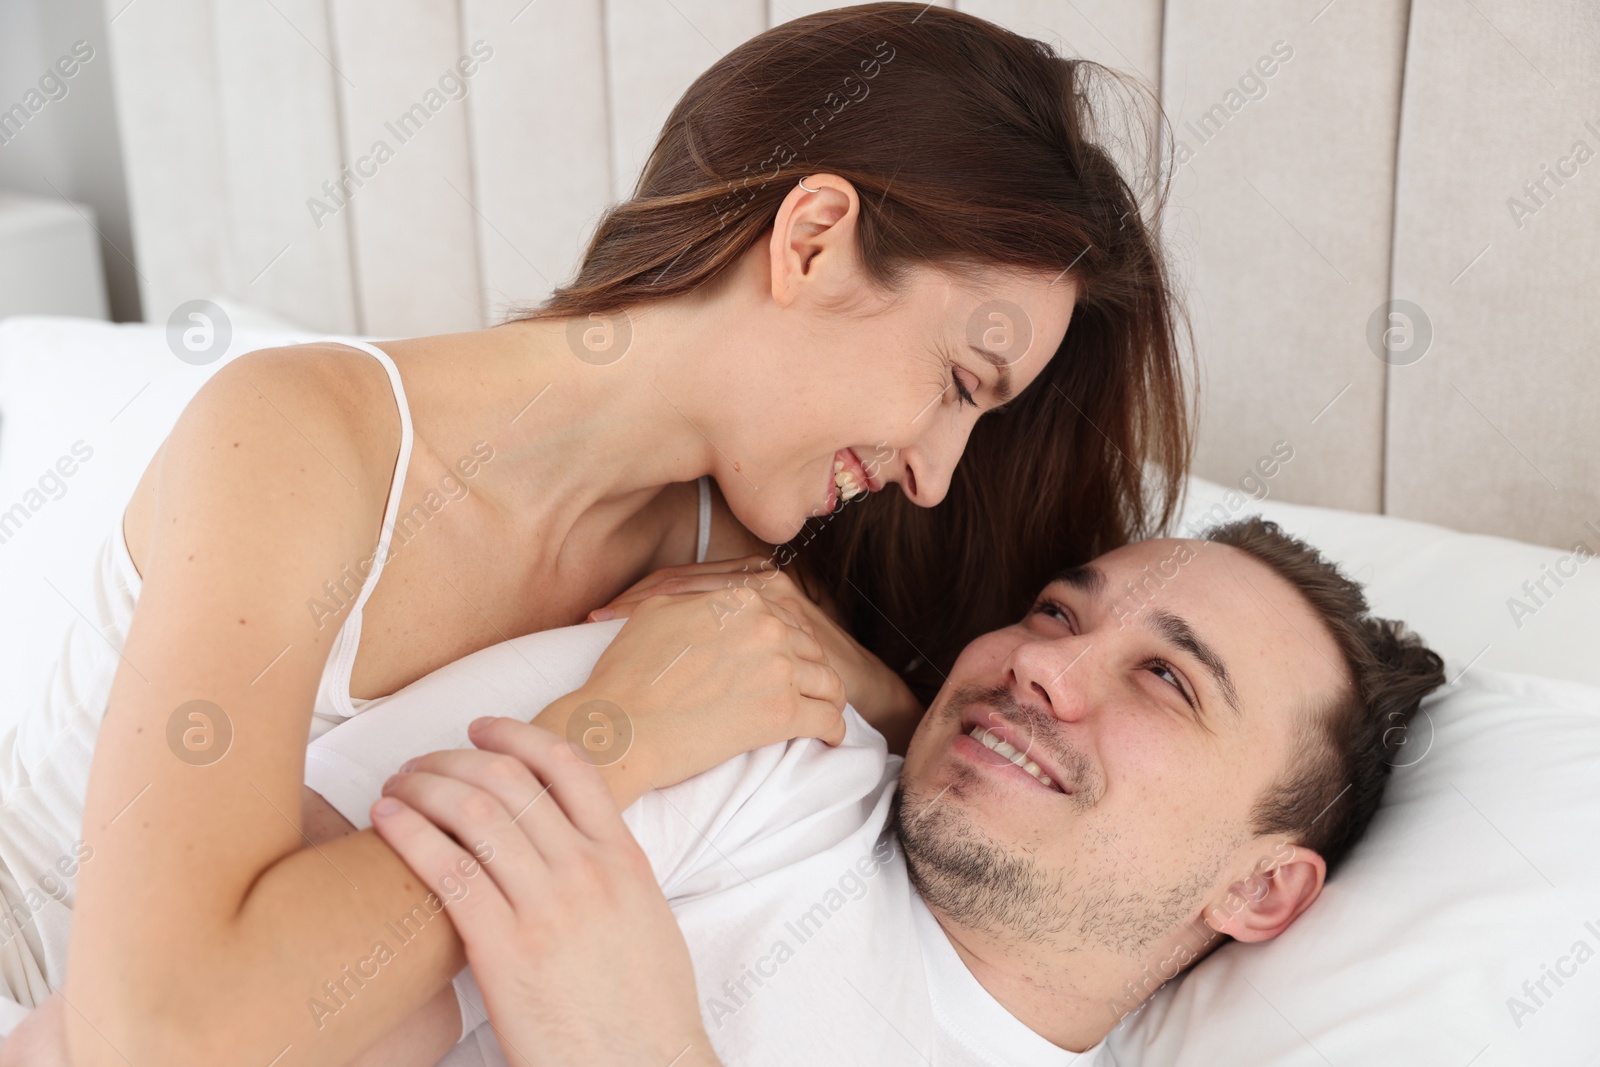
x: 1157, y: 692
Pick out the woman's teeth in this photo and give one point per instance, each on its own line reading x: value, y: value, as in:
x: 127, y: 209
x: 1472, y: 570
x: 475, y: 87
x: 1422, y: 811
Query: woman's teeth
x: 845, y: 480
x: 1005, y: 749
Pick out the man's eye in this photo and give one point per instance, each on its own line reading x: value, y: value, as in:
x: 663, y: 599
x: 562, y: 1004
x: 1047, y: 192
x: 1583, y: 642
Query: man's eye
x: 1053, y: 609
x: 1164, y: 671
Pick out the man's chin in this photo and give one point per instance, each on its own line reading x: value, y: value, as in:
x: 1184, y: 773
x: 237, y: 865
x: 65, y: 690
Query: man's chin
x: 961, y: 870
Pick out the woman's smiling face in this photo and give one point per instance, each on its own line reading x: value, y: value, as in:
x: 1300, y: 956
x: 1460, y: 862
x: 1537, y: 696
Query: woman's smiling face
x: 851, y: 389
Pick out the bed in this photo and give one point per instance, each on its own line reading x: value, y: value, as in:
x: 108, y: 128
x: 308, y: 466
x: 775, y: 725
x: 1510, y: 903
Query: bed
x: 1464, y: 931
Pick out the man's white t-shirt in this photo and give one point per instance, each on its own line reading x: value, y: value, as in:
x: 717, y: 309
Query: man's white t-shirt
x: 810, y: 944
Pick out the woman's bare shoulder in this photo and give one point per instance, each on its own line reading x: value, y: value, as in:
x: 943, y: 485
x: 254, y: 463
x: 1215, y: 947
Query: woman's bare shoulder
x: 335, y: 399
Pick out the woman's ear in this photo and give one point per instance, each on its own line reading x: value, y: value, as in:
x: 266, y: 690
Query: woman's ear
x: 1261, y: 906
x: 813, y: 243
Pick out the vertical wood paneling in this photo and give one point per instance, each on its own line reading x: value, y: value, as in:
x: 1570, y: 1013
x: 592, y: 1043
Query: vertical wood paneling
x: 280, y: 140
x: 541, y: 143
x: 164, y: 78
x: 412, y: 221
x: 1497, y: 240
x: 655, y: 49
x: 1283, y: 208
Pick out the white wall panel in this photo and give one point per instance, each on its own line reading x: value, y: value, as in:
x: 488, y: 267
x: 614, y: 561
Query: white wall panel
x: 227, y: 116
x: 1281, y: 228
x: 541, y: 144
x: 412, y: 222
x: 1495, y: 427
x: 280, y: 140
x: 654, y: 50
x: 164, y: 77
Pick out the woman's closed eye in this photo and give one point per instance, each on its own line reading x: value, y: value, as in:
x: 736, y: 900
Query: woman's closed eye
x: 963, y: 391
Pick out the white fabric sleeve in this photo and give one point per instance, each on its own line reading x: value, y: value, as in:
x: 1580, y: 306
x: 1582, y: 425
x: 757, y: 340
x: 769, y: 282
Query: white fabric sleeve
x: 469, y: 998
x: 758, y: 812
x: 349, y: 764
x: 763, y: 805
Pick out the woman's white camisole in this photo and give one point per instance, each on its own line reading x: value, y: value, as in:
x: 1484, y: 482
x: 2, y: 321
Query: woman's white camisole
x: 44, y: 760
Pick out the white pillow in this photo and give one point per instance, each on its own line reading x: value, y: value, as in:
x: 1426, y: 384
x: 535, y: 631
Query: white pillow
x: 117, y: 389
x: 1455, y: 589
x: 1480, y: 872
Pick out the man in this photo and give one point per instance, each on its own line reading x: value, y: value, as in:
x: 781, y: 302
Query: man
x: 1175, y: 746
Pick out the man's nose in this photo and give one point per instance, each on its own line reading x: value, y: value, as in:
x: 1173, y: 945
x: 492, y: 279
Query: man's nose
x: 1057, y: 675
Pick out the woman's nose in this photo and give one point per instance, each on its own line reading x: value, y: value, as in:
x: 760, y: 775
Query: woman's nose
x: 927, y: 469
x: 921, y: 482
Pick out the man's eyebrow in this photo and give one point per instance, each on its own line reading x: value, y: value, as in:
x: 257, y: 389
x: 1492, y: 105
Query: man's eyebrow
x: 1002, y: 387
x: 1086, y: 578
x: 1180, y: 634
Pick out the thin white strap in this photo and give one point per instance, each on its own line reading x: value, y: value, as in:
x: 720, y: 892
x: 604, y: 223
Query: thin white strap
x: 703, y: 540
x: 336, y: 675
x: 391, y: 510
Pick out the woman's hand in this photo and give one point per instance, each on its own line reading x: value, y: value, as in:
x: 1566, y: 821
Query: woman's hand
x: 877, y: 692
x: 579, y: 958
x: 693, y: 680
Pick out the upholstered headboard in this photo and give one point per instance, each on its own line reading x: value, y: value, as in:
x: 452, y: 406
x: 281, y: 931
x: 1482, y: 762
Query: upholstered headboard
x: 1387, y: 219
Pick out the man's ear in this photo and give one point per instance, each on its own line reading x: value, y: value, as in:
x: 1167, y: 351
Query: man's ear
x: 1282, y: 884
x: 815, y: 230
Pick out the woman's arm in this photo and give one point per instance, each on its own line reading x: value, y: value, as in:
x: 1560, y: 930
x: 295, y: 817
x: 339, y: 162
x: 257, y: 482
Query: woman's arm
x: 427, y: 1034
x: 206, y: 931
x: 579, y: 957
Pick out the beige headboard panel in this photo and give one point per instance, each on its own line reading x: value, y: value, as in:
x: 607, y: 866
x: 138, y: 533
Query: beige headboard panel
x: 1497, y: 238
x: 1332, y: 157
x: 1285, y: 191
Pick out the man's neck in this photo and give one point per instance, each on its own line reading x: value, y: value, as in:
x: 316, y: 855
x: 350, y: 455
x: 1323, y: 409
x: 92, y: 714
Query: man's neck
x: 1073, y: 1006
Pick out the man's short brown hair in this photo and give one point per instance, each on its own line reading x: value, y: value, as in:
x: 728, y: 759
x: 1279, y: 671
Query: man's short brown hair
x: 1329, y: 793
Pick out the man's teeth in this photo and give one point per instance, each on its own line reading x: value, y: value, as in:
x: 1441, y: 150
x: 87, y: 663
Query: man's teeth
x: 1005, y: 749
x: 849, y: 487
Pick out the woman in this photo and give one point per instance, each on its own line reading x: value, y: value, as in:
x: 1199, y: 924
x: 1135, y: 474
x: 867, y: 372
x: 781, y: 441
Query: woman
x: 777, y: 336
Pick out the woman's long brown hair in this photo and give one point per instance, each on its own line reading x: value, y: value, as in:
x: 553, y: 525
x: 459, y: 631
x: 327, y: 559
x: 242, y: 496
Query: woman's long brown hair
x: 969, y: 146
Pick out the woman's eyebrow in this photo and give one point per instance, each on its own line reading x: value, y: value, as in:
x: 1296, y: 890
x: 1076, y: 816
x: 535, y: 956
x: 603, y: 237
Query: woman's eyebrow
x: 1002, y: 387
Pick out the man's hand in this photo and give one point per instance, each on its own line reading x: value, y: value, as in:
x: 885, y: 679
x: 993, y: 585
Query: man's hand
x: 577, y: 953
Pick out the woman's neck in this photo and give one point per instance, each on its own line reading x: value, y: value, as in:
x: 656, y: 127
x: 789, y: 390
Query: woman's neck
x: 588, y: 448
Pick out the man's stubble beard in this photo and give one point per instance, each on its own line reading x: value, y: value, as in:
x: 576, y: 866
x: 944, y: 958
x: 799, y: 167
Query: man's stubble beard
x: 986, y: 886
